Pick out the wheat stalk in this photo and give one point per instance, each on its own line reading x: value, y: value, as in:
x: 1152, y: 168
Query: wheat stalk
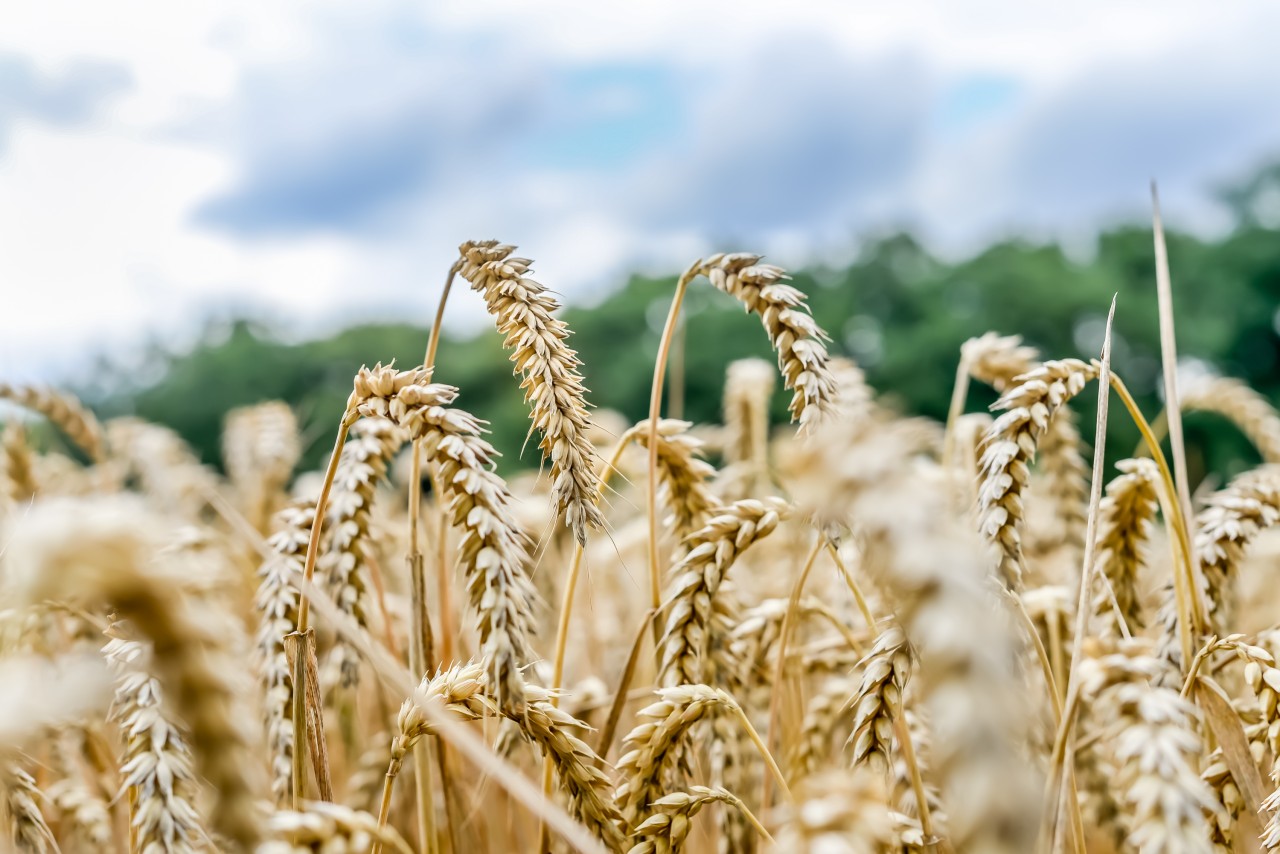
x: 64, y: 411
x: 524, y: 313
x: 494, y: 551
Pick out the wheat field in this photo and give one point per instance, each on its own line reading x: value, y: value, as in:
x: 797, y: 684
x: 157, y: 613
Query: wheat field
x: 864, y: 632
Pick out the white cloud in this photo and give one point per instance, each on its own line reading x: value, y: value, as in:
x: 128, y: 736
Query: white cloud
x: 361, y: 143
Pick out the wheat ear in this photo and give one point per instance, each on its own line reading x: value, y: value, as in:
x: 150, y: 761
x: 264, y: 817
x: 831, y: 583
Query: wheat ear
x: 747, y: 387
x: 878, y: 700
x: 666, y: 830
x: 697, y: 578
x: 1125, y: 518
x: 1010, y: 446
x: 29, y: 833
x: 1242, y: 406
x: 260, y: 448
x: 827, y: 709
x: 465, y: 693
x: 113, y: 559
x: 524, y: 313
x: 63, y: 411
x: 156, y: 762
x: 494, y: 551
x: 1232, y: 517
x: 685, y: 475
x: 165, y: 466
x: 20, y: 481
x: 277, y: 604
x: 838, y: 811
x: 372, y: 444
x: 798, y: 341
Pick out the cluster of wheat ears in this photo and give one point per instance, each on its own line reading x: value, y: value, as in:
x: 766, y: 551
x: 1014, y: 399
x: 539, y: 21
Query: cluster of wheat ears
x: 869, y: 633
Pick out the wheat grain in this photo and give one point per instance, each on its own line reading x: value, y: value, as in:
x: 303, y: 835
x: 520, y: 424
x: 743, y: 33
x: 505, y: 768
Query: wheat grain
x: 997, y: 360
x: 328, y: 828
x: 666, y: 830
x: 523, y: 311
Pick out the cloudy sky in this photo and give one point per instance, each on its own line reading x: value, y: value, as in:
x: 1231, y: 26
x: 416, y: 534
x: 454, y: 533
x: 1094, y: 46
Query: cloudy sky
x: 314, y: 162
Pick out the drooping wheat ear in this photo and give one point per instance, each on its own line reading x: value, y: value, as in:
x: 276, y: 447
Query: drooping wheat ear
x: 372, y: 444
x: 799, y: 342
x: 1010, y: 446
x: 464, y: 691
x: 1062, y: 477
x: 524, y: 313
x: 29, y: 833
x: 650, y: 749
x: 156, y: 762
x: 823, y: 717
x: 997, y: 359
x: 879, y: 698
x: 113, y: 559
x: 685, y: 475
x: 165, y: 466
x: 839, y: 811
x: 19, y: 479
x: 666, y: 830
x: 64, y: 411
x: 494, y: 551
x: 277, y: 604
x: 260, y: 448
x: 747, y: 388
x: 1242, y: 406
x: 697, y: 578
x: 937, y: 572
x: 329, y: 828
x: 854, y: 397
x: 1125, y: 517
x: 1156, y: 748
x: 1232, y: 517
x: 86, y: 816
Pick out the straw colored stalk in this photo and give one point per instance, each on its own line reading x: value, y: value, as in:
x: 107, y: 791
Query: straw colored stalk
x: 1010, y: 446
x: 113, y: 560
x: 63, y: 411
x: 494, y: 551
x: 1242, y: 406
x: 465, y: 693
x: 372, y: 444
x: 524, y: 313
x: 277, y: 606
x: 697, y: 578
x: 1125, y: 518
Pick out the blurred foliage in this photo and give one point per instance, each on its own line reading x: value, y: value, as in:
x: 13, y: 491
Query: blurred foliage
x: 898, y: 310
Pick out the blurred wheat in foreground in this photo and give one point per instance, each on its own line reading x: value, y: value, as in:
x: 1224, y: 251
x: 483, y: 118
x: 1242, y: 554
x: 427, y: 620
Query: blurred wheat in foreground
x: 872, y: 633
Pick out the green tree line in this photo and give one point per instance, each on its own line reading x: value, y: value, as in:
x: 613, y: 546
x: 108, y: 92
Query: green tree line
x: 897, y: 309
